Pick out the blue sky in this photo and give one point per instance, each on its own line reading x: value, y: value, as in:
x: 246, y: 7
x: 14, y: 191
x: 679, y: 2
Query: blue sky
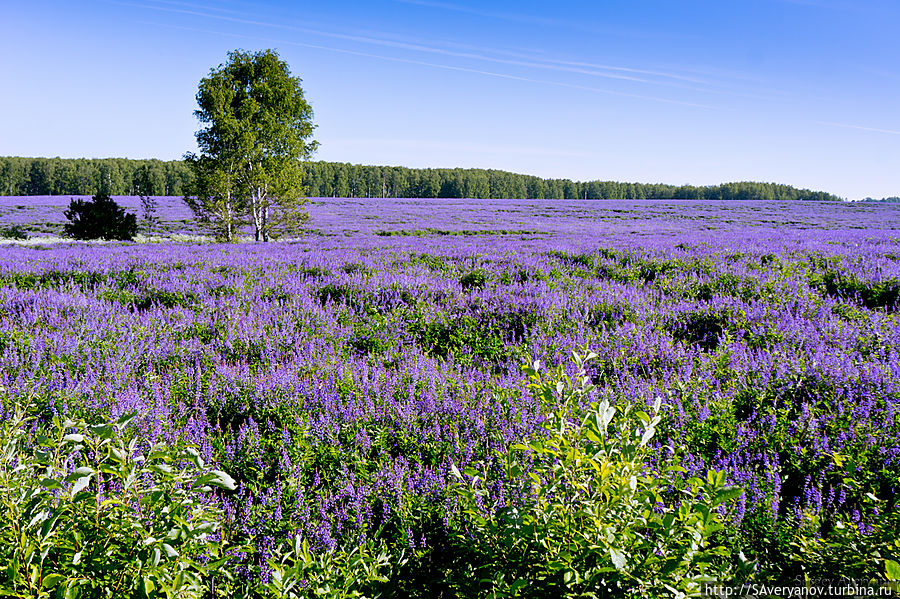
x: 803, y: 92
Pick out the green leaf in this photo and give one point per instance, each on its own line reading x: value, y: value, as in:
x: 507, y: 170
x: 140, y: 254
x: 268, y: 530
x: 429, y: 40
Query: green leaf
x: 149, y: 586
x: 667, y: 522
x: 728, y: 494
x: 223, y: 481
x: 891, y: 570
x: 74, y: 438
x: 170, y: 551
x: 160, y: 468
x: 48, y: 525
x: 11, y: 568
x: 125, y: 419
x: 204, y: 528
x: 648, y: 434
x: 49, y: 483
x: 106, y: 469
x: 51, y: 581
x: 194, y: 456
x: 72, y: 590
x: 80, y: 485
x: 618, y: 558
x: 104, y: 431
x: 39, y: 517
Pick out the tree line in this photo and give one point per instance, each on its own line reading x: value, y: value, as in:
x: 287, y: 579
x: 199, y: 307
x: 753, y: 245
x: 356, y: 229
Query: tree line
x: 336, y: 179
x: 87, y: 176
x: 122, y: 176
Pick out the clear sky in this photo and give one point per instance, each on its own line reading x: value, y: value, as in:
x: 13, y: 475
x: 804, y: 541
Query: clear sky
x: 803, y: 92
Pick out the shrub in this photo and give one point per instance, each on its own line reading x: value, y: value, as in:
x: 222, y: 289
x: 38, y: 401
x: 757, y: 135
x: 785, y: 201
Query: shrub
x: 101, y: 218
x: 83, y: 513
x: 593, y: 516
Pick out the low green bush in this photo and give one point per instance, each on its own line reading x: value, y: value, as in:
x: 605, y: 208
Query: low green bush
x: 84, y: 512
x: 593, y: 516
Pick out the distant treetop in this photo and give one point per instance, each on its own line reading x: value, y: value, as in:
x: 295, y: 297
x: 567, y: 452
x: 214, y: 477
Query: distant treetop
x: 888, y: 200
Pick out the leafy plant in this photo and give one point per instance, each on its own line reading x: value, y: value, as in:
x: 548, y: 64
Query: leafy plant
x: 85, y: 513
x: 856, y: 551
x: 297, y: 572
x: 593, y: 516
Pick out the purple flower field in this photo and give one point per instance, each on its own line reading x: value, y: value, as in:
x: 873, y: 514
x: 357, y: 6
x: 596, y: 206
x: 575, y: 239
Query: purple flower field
x: 338, y: 376
x: 411, y: 217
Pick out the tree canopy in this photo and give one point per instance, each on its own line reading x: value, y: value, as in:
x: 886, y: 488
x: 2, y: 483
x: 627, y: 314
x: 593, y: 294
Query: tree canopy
x: 257, y: 133
x: 121, y: 176
x: 87, y: 176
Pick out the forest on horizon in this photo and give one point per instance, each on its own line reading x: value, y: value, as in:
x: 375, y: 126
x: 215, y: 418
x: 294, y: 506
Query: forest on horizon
x: 123, y: 176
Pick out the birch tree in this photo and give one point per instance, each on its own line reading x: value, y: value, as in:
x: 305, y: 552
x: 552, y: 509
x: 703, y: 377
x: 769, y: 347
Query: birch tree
x: 256, y: 135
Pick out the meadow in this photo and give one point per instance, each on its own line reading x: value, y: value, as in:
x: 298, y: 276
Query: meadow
x: 364, y: 387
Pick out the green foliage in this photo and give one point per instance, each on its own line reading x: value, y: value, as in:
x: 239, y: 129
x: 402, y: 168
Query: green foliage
x: 463, y: 338
x: 120, y: 176
x: 85, y: 513
x: 460, y: 233
x: 143, y: 185
x: 329, y: 179
x: 257, y: 126
x: 703, y: 328
x: 861, y: 553
x: 296, y: 572
x: 872, y: 295
x: 15, y: 232
x: 474, y: 279
x: 101, y: 218
x: 591, y: 515
x: 83, y: 176
x: 84, y: 280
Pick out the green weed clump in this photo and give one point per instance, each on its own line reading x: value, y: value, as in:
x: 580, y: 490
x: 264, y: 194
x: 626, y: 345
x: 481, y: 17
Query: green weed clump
x: 14, y: 232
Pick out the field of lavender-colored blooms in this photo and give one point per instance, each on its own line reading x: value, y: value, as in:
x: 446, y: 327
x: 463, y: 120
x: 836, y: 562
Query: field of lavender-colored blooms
x: 43, y: 215
x: 338, y: 376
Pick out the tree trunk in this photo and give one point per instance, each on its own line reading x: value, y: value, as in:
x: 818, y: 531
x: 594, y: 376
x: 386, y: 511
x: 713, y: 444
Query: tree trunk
x: 256, y: 209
